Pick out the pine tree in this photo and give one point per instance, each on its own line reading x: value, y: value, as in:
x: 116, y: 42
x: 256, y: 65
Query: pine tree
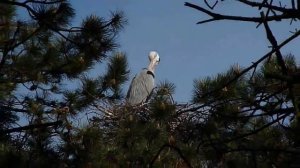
x: 246, y: 123
x: 244, y: 117
x: 41, y: 59
x: 250, y: 115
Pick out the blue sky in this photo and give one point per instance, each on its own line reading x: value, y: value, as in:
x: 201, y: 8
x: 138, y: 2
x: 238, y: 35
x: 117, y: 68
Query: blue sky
x: 188, y: 51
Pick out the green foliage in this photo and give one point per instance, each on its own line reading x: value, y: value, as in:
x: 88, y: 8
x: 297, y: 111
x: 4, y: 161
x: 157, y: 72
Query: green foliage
x: 117, y: 73
x: 54, y: 16
x: 243, y: 123
x: 218, y: 87
x: 41, y: 60
x: 133, y: 135
x: 53, y: 112
x: 246, y: 120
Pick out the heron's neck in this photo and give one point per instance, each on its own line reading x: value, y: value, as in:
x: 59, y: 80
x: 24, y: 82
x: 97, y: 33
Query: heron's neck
x: 152, y: 66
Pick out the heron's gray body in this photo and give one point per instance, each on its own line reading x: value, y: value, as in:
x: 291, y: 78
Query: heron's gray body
x: 141, y: 87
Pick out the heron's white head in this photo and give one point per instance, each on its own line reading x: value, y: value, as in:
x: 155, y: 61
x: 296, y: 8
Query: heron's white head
x: 154, y: 57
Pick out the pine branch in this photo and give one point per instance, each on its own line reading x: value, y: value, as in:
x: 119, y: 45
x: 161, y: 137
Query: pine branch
x: 45, y: 2
x: 255, y: 64
x: 249, y: 133
x: 12, y: 47
x: 31, y: 127
x: 34, y: 16
x: 6, y: 108
x: 264, y: 149
x: 24, y: 5
x: 188, y: 164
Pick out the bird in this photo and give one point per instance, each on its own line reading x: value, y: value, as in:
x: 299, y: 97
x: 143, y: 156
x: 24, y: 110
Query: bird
x: 143, y: 83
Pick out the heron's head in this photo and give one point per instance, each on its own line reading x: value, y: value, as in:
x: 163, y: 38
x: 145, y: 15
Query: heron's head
x: 154, y: 57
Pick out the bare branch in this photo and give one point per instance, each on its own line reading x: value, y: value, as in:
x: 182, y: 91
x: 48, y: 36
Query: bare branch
x: 265, y: 5
x: 211, y: 6
x: 217, y: 16
x: 273, y: 41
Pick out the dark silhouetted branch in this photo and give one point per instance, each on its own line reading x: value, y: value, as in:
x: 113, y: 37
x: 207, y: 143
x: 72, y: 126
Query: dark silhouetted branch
x: 274, y: 44
x: 265, y: 5
x: 174, y: 148
x: 263, y: 149
x: 211, y: 6
x: 6, y: 108
x: 30, y: 127
x: 217, y: 16
x: 256, y: 63
x: 44, y: 2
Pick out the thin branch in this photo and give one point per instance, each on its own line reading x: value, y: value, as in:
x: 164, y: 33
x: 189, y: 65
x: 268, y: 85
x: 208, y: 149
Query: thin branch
x: 217, y: 16
x: 264, y: 149
x: 31, y: 127
x: 24, y: 5
x: 44, y: 2
x: 256, y: 130
x: 274, y: 43
x: 264, y: 5
x: 12, y: 47
x: 293, y: 4
x: 211, y: 6
x: 188, y: 164
x: 6, y: 108
x: 254, y: 64
x: 244, y: 135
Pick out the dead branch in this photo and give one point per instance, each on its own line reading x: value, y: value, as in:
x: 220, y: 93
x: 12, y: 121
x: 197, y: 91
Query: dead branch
x: 216, y: 16
x: 273, y: 41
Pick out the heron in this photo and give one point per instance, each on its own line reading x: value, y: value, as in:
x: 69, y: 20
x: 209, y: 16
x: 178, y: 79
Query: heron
x: 143, y: 84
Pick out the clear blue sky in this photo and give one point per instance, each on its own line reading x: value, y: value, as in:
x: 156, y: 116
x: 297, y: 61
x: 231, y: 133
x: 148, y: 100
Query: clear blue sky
x: 188, y: 51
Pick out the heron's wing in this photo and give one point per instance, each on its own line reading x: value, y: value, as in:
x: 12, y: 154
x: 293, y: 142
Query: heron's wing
x: 130, y: 87
x: 147, y: 82
x: 141, y: 87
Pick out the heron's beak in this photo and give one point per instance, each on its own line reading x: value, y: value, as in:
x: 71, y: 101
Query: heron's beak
x: 157, y: 61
